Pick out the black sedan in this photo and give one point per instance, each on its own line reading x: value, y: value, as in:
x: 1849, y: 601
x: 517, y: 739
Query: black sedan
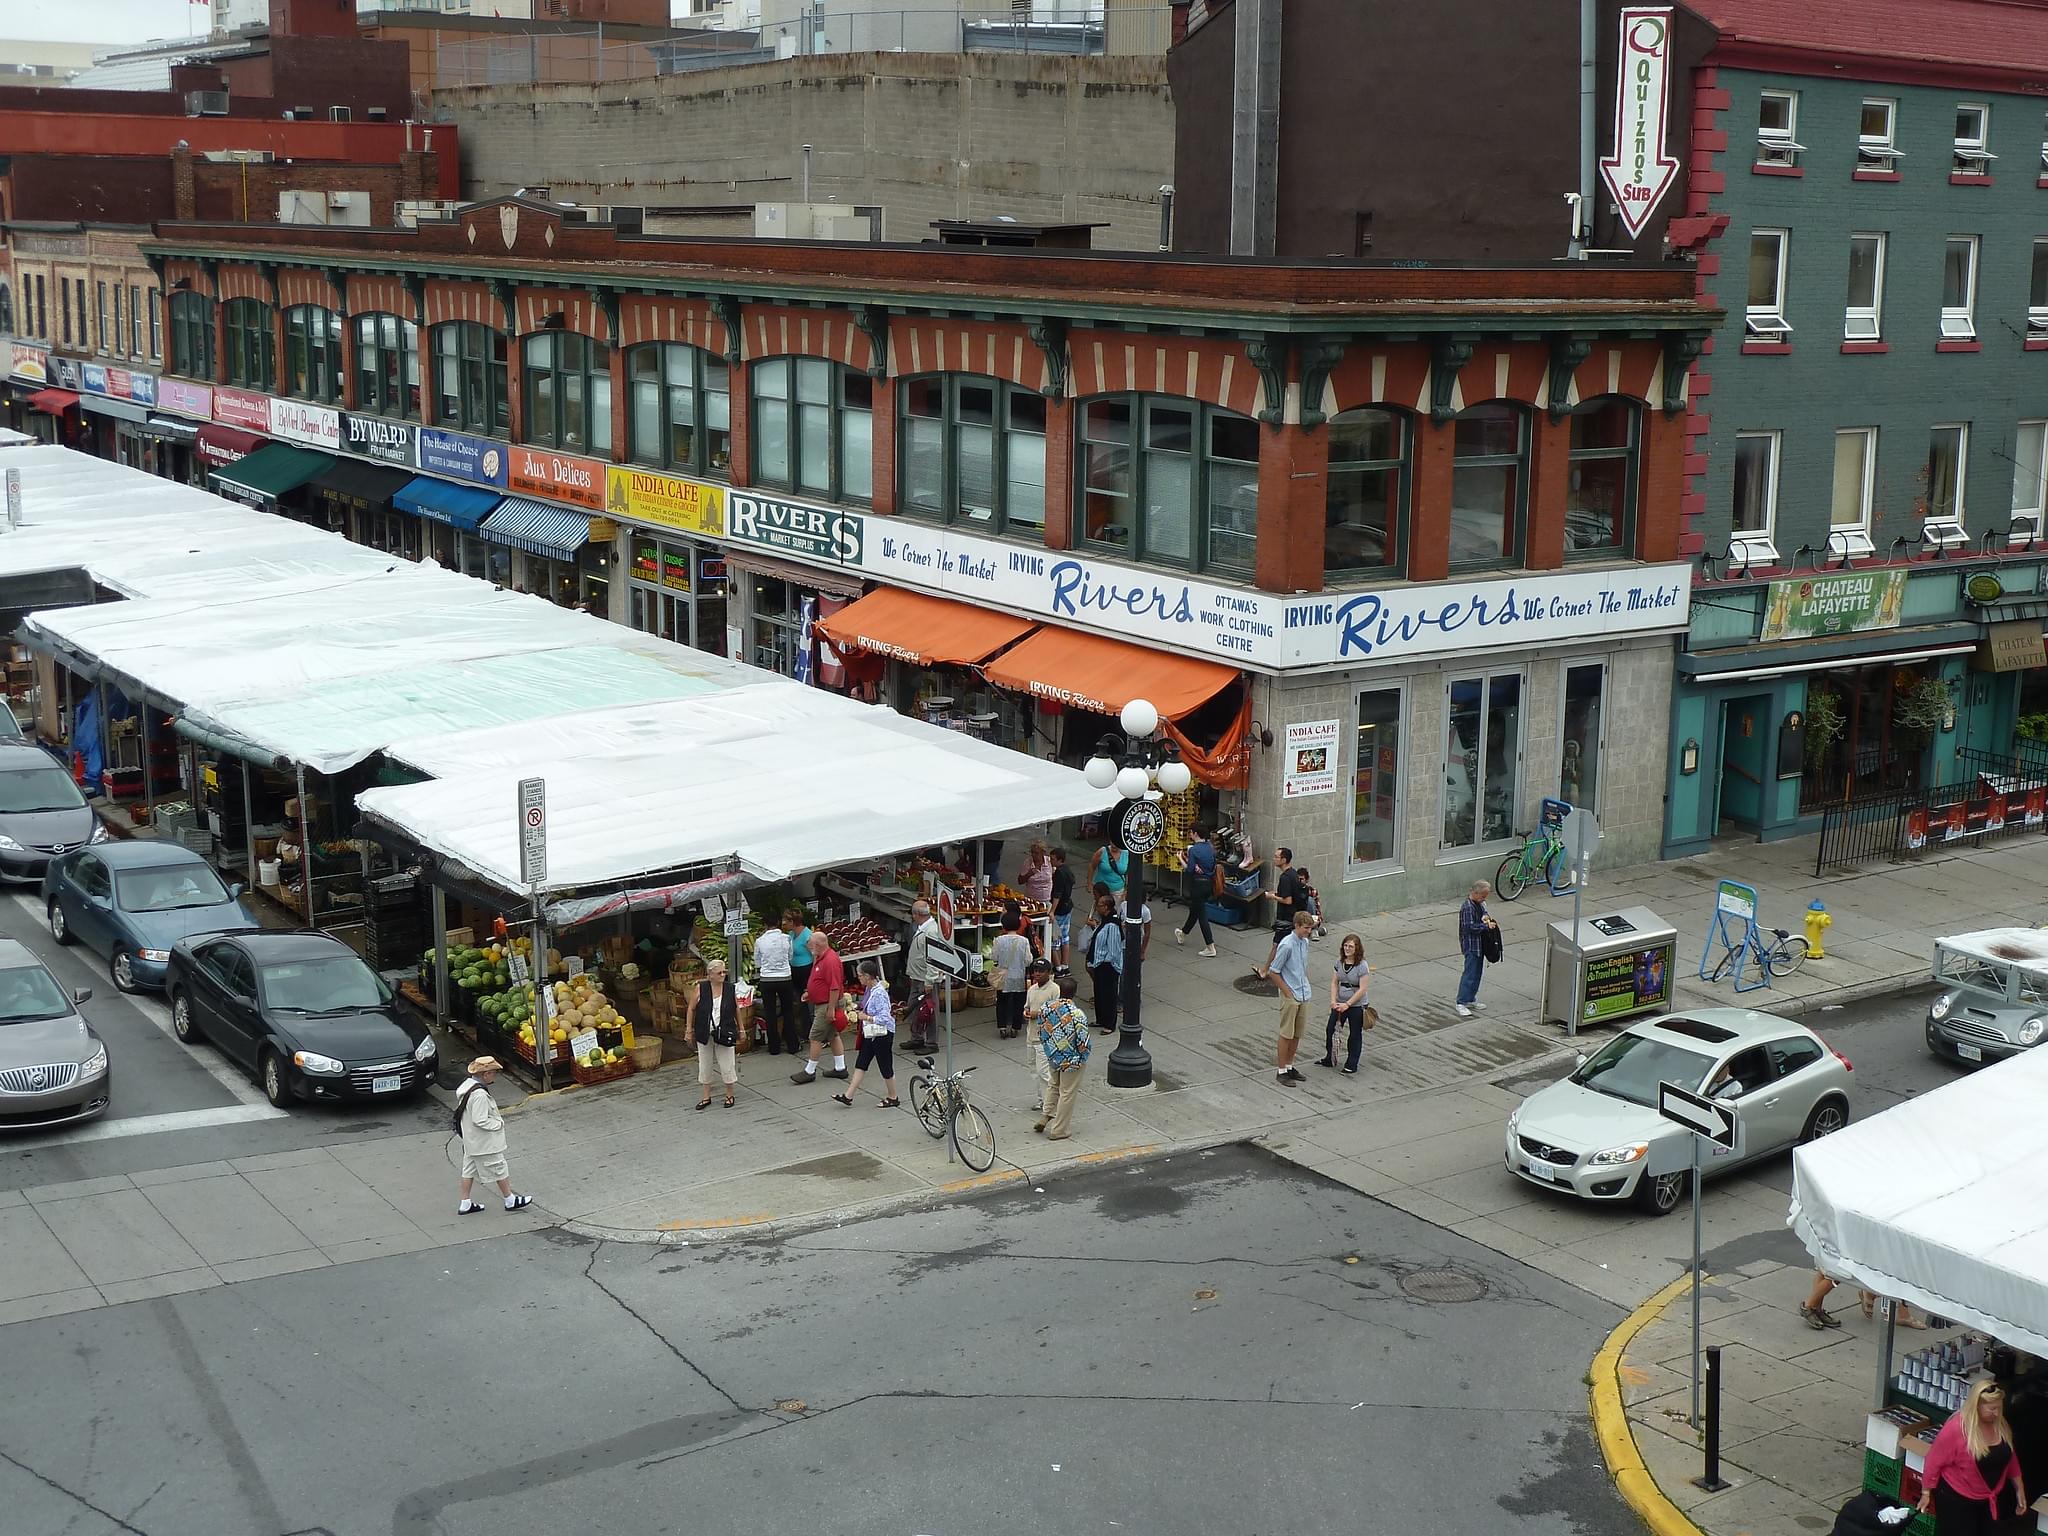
x: 302, y: 1012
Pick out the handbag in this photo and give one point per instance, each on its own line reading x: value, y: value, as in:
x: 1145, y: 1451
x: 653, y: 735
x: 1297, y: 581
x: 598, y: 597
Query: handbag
x: 1490, y: 944
x: 870, y: 1030
x: 1372, y: 1016
x: 726, y: 1031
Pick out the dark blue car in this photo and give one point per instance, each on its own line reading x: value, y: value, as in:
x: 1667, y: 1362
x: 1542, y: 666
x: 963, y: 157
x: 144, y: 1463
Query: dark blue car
x: 133, y: 901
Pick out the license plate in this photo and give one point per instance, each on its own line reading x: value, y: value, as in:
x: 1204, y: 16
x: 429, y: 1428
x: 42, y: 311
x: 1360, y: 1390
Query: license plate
x: 386, y: 1084
x: 1540, y: 1171
x: 1969, y: 1052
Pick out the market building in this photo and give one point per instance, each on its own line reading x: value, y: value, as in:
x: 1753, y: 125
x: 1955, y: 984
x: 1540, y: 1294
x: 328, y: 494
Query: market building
x: 1389, y: 546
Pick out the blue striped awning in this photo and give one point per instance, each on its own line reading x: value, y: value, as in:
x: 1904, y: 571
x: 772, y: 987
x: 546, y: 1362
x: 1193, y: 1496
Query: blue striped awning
x: 537, y: 528
x: 459, y: 506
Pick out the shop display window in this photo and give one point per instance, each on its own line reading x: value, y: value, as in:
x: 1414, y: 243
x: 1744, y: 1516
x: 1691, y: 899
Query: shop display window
x: 388, y: 366
x: 1169, y: 479
x: 813, y: 427
x: 470, y: 389
x: 312, y: 353
x: 1599, y: 509
x: 1489, y: 485
x: 252, y: 345
x: 1376, y: 801
x: 775, y: 633
x: 1581, y: 733
x: 1482, y: 759
x: 681, y: 408
x: 1366, y: 505
x: 568, y: 383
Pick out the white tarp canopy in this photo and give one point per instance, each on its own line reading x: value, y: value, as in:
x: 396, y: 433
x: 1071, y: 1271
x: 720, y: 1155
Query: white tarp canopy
x: 1942, y: 1201
x: 788, y: 778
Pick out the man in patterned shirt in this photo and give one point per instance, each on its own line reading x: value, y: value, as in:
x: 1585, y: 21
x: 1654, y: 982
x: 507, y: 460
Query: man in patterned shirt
x: 1063, y: 1037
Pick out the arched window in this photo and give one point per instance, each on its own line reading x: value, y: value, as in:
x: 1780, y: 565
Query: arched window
x: 1599, y: 515
x: 813, y: 427
x: 252, y: 344
x: 568, y: 384
x: 312, y: 353
x: 972, y: 450
x: 1489, y: 484
x: 1365, y: 523
x: 1169, y: 479
x: 681, y: 408
x: 388, y: 366
x: 470, y: 392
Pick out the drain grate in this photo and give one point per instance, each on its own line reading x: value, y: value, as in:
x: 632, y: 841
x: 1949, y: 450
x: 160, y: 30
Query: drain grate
x: 1443, y: 1285
x: 1254, y: 986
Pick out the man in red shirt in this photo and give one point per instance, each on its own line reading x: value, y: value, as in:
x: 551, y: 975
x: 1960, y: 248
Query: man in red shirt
x: 822, y: 992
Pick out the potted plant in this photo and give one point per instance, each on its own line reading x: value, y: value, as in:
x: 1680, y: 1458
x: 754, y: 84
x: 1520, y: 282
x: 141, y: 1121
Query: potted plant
x: 1824, y: 725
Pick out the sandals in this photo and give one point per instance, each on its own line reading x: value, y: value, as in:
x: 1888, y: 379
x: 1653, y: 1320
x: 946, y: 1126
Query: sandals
x: 704, y: 1103
x: 888, y: 1104
x: 730, y: 1101
x: 840, y: 1098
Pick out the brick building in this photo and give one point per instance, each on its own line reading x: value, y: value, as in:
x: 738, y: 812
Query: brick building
x: 1387, y: 545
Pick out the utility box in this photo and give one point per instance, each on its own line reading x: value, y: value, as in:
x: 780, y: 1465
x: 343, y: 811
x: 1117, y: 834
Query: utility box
x: 1620, y: 965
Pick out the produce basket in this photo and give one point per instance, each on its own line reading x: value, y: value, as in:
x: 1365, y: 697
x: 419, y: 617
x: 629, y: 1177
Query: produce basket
x: 646, y: 1054
x: 980, y: 997
x: 525, y: 1052
x: 659, y: 1004
x: 589, y: 1076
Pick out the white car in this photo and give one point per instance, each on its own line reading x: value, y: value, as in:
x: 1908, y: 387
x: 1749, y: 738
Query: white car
x: 1598, y: 1135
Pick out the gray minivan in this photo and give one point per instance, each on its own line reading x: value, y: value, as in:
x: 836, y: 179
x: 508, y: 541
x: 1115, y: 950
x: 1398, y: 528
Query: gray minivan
x: 42, y: 814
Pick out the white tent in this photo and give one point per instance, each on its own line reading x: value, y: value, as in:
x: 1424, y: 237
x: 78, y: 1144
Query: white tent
x: 1942, y: 1201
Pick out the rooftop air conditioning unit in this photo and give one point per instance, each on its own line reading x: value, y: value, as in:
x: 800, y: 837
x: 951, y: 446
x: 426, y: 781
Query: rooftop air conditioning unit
x: 206, y: 103
x: 339, y: 115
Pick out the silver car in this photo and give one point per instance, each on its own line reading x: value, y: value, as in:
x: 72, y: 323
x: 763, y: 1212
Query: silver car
x: 1598, y: 1135
x: 53, y: 1067
x: 42, y: 814
x: 1994, y: 994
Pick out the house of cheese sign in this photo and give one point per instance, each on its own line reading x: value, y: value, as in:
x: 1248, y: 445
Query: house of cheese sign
x: 1638, y: 171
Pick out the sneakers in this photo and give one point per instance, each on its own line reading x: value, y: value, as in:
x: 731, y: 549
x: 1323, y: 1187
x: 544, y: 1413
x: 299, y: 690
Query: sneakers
x: 1179, y: 937
x: 1463, y: 1011
x: 1210, y: 951
x: 803, y: 1077
x: 839, y: 1072
x: 1478, y: 1006
x: 1351, y: 1071
x: 1819, y: 1317
x: 1290, y: 1078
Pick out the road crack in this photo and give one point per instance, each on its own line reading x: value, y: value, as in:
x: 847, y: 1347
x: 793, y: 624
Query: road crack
x: 76, y: 1497
x: 589, y: 1273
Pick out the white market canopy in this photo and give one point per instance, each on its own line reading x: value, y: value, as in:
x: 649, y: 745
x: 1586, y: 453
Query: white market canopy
x: 1942, y: 1201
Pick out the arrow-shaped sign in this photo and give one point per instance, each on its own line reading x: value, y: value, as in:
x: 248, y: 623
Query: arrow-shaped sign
x: 1638, y: 171
x: 1714, y: 1121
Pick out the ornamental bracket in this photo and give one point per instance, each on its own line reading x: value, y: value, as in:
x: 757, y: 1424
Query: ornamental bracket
x: 337, y: 279
x: 501, y: 289
x: 267, y: 270
x: 1269, y: 355
x: 415, y: 286
x: 608, y: 301
x: 1447, y: 354
x: 1680, y: 348
x: 727, y: 307
x: 873, y: 321
x: 1050, y: 334
x: 1319, y: 357
x: 1567, y: 351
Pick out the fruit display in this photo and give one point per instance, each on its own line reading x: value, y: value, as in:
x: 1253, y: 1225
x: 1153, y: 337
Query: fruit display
x: 602, y: 1058
x: 857, y: 936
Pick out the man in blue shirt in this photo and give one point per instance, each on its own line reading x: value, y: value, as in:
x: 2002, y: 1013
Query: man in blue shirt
x: 1288, y: 967
x: 1198, y: 872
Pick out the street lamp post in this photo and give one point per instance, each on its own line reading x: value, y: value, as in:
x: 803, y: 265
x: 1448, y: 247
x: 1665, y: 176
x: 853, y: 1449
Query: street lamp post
x: 1132, y: 767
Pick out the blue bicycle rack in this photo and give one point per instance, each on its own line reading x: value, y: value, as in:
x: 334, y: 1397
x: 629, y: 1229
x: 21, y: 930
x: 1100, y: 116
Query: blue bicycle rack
x: 1734, y: 925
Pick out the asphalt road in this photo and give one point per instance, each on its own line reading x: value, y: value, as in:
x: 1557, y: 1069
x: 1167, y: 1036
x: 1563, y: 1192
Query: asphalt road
x: 1178, y: 1347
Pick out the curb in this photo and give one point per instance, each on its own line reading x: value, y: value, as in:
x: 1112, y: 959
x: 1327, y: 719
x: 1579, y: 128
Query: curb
x: 1610, y: 1421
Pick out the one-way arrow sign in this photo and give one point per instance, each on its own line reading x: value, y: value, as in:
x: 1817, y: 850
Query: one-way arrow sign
x: 1638, y: 171
x: 1714, y: 1121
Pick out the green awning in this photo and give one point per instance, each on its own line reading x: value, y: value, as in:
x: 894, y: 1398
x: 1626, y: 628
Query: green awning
x: 269, y: 473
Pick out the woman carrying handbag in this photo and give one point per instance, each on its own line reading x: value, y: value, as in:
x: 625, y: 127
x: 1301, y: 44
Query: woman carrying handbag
x: 1347, y: 1004
x: 877, y: 1038
x: 715, y: 1026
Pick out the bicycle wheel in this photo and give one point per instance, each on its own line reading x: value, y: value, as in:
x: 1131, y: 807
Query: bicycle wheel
x: 1726, y: 963
x: 1512, y: 875
x: 930, y: 1107
x: 973, y: 1137
x: 1787, y: 955
x: 1557, y: 869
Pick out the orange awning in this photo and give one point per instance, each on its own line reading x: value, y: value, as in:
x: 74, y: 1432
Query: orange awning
x: 926, y: 631
x: 1090, y: 672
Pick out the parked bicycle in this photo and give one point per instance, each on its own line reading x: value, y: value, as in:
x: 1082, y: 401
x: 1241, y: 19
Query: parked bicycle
x: 1543, y: 856
x: 942, y: 1107
x: 1781, y: 957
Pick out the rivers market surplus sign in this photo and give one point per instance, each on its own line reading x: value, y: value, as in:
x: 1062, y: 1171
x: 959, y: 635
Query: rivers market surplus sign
x: 1833, y: 605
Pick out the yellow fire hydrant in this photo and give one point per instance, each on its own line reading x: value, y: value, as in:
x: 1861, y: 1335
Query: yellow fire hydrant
x: 1817, y: 923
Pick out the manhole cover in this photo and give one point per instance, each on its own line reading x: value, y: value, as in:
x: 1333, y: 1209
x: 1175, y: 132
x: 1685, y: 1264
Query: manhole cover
x: 1443, y: 1285
x: 1253, y: 986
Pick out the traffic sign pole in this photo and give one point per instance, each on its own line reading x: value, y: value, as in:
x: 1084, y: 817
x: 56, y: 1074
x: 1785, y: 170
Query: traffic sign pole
x: 1695, y: 1280
x: 1708, y: 1121
x: 533, y: 873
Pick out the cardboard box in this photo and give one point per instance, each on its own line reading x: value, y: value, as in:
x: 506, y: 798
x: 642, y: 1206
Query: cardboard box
x: 461, y: 938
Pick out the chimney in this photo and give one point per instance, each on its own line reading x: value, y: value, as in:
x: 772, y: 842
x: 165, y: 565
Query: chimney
x: 184, y: 189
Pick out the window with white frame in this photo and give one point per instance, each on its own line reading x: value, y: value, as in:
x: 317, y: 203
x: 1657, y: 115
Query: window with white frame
x: 1863, y: 319
x: 1973, y: 155
x: 1766, y: 314
x: 1755, y: 503
x: 1948, y: 450
x: 1875, y: 150
x: 1855, y: 469
x: 2044, y: 141
x: 1777, y: 125
x: 2029, y: 479
x: 1959, y: 288
x: 2037, y: 292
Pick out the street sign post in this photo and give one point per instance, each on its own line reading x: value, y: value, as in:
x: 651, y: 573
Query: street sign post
x: 954, y: 964
x: 533, y: 872
x: 1581, y: 834
x: 1708, y: 1120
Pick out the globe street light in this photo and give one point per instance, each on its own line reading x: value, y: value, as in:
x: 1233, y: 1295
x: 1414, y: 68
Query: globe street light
x: 1133, y: 766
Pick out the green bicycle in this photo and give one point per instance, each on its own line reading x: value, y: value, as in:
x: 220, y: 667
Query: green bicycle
x: 1543, y: 855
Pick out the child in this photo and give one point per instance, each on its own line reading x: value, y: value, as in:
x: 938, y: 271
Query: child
x: 1312, y: 902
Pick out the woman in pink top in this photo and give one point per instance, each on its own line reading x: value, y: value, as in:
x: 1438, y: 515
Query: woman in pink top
x: 1972, y: 1480
x: 1035, y: 879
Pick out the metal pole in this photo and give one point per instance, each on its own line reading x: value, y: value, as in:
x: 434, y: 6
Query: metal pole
x: 948, y: 980
x: 543, y: 1046
x: 1711, y: 1479
x: 148, y: 778
x: 1695, y: 1281
x: 248, y: 815
x: 1884, y: 1364
x: 1571, y: 1025
x: 1130, y: 1064
x: 440, y: 956
x: 306, y: 853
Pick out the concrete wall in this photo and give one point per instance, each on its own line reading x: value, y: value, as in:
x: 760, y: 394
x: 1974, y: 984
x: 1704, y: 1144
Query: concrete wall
x: 925, y: 136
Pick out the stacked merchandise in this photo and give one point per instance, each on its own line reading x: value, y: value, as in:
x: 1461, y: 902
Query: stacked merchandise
x: 396, y: 921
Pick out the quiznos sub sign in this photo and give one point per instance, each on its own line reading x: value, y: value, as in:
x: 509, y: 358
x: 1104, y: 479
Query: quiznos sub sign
x: 1639, y: 171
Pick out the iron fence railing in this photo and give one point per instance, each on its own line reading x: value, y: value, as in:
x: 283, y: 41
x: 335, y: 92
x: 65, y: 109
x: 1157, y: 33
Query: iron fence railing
x: 1996, y: 796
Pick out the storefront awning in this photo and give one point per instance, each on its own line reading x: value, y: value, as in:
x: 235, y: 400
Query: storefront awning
x: 459, y: 506
x: 537, y: 528
x: 221, y: 446
x: 353, y: 481
x: 272, y: 471
x: 169, y: 428
x: 926, y: 631
x: 124, y: 410
x: 809, y: 577
x: 53, y: 402
x: 1751, y: 663
x: 1090, y: 672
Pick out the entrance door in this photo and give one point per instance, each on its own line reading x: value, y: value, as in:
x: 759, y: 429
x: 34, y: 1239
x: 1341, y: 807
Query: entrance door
x: 1745, y: 743
x: 1582, y: 733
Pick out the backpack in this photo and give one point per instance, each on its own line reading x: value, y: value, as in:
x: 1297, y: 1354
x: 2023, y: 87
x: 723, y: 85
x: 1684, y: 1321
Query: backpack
x: 462, y: 1103
x: 1490, y: 944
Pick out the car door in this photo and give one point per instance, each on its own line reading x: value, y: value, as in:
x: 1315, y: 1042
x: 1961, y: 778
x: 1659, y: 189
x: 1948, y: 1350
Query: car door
x: 224, y: 997
x: 1790, y: 1097
x: 90, y: 910
x: 1750, y: 1067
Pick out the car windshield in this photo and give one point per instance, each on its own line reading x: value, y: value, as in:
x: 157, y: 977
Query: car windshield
x: 327, y: 985
x: 28, y: 992
x: 10, y: 728
x: 38, y: 789
x: 170, y: 889
x: 1631, y: 1066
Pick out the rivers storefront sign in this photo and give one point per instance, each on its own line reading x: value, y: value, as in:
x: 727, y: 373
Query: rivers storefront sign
x: 664, y: 501
x: 1235, y: 624
x: 1813, y: 606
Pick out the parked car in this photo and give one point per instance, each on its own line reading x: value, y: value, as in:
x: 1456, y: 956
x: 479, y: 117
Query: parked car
x: 1994, y: 998
x: 1598, y: 1135
x: 10, y: 727
x: 133, y: 901
x: 302, y: 1012
x: 42, y: 814
x: 53, y: 1067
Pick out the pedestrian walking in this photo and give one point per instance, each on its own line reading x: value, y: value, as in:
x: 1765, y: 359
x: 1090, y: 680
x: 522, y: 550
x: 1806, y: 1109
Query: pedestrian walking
x: 802, y: 956
x: 1012, y: 955
x: 1043, y: 992
x: 1112, y: 865
x: 917, y: 967
x: 1063, y: 1041
x: 1035, y: 878
x: 483, y: 1137
x: 1347, y: 1003
x: 1972, y: 1469
x: 1062, y: 905
x: 715, y: 1026
x: 1198, y: 885
x: 824, y: 997
x: 774, y: 990
x: 1288, y: 965
x: 877, y: 1038
x: 1105, y: 953
x: 1474, y: 924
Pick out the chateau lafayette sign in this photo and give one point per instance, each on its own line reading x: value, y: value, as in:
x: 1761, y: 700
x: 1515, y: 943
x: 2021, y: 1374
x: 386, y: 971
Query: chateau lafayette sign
x: 1231, y: 624
x: 1639, y: 172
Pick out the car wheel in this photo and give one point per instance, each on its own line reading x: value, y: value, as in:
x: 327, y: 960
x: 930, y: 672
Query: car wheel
x: 183, y: 1025
x: 1827, y: 1117
x: 1662, y: 1193
x: 123, y: 968
x: 60, y: 930
x: 275, y: 1088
